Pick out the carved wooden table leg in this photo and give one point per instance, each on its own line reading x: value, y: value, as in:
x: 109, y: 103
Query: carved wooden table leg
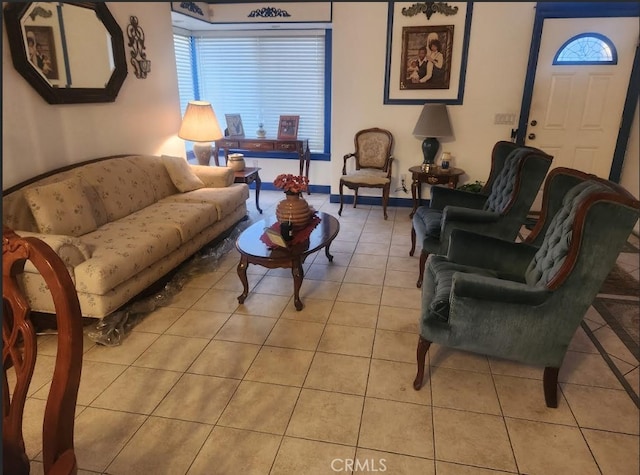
x: 327, y: 253
x: 415, y: 184
x: 242, y: 273
x: 298, y: 275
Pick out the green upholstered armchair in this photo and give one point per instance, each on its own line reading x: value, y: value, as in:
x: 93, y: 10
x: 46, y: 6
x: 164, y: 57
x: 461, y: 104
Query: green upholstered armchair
x: 441, y: 196
x: 500, y: 214
x: 522, y: 302
x: 373, y: 162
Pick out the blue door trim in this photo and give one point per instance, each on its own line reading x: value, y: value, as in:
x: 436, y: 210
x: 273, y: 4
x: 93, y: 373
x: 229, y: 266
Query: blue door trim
x: 546, y: 10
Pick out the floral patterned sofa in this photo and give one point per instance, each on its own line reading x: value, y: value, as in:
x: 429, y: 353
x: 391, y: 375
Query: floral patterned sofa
x: 121, y: 223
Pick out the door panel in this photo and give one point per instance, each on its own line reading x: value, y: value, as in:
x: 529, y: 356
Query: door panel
x: 578, y: 108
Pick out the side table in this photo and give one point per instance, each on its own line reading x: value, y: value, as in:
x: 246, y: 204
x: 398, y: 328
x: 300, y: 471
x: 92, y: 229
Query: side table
x: 435, y: 176
x: 248, y: 176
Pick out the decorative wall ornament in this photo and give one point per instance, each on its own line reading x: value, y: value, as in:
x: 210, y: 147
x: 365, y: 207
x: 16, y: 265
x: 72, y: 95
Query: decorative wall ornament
x: 141, y: 65
x: 192, y: 7
x: 39, y: 11
x: 268, y: 12
x: 429, y: 8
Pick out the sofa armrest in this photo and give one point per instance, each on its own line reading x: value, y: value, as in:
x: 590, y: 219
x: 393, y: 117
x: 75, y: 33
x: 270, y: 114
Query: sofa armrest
x: 70, y: 249
x: 214, y: 177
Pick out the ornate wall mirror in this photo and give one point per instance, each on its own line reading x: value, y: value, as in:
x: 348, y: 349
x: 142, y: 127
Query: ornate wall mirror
x: 70, y: 52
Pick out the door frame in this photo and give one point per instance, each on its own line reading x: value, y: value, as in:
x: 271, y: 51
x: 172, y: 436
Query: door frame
x: 545, y: 10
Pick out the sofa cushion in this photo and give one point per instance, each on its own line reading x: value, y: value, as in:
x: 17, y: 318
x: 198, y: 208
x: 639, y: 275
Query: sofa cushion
x: 226, y: 200
x: 188, y: 218
x: 181, y: 174
x: 122, y: 186
x: 121, y: 250
x: 159, y: 178
x: 61, y: 208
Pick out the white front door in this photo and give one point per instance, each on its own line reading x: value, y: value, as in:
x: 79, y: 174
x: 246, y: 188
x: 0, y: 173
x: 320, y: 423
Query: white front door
x: 576, y: 110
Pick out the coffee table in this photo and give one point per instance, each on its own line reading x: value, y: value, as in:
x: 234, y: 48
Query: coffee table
x: 254, y: 251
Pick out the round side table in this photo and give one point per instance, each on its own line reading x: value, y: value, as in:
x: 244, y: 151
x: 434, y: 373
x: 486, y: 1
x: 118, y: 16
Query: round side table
x: 435, y: 176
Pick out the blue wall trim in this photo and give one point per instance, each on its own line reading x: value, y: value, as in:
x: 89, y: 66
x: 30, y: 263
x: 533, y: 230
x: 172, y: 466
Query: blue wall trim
x: 376, y: 201
x: 315, y: 157
x: 546, y: 10
x: 269, y: 186
x: 328, y: 52
x: 194, y: 68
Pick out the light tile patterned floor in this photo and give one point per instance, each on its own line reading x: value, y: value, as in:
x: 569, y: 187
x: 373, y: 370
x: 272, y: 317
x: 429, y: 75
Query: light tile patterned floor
x: 207, y: 386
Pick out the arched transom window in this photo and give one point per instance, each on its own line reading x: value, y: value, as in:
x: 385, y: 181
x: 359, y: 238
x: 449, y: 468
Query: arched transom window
x: 587, y: 48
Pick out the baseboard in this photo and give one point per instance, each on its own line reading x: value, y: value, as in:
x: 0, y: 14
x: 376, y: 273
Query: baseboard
x: 376, y: 201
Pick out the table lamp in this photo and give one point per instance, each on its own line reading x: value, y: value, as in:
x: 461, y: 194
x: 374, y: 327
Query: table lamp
x: 200, y: 125
x: 432, y: 123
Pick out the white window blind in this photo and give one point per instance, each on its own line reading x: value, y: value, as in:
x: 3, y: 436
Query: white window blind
x: 184, y: 66
x: 263, y: 74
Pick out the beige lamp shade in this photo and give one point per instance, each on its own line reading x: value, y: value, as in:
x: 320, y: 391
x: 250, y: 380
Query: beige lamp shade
x: 200, y: 123
x: 433, y: 122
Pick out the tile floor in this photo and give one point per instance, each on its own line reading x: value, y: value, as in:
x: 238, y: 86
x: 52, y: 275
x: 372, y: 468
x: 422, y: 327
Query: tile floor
x: 206, y: 386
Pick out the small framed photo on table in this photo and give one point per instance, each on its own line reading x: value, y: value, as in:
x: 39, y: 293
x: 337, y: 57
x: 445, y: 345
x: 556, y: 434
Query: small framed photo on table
x: 288, y: 127
x: 234, y: 125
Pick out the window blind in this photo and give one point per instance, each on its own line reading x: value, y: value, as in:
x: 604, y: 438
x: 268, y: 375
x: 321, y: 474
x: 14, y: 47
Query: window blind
x: 184, y: 67
x: 260, y: 75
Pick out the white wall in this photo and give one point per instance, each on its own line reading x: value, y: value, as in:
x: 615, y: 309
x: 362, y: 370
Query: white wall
x: 145, y: 117
x: 38, y: 137
x: 495, y: 74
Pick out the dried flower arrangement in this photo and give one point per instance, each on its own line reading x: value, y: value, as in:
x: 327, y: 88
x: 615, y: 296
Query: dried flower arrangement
x: 291, y: 184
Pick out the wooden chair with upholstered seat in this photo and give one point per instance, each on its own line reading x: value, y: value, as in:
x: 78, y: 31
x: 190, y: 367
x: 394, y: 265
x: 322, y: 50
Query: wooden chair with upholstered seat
x: 19, y: 354
x: 373, y: 162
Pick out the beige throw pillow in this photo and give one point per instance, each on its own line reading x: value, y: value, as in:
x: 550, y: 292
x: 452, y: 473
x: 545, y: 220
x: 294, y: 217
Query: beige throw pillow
x: 181, y: 174
x: 61, y: 208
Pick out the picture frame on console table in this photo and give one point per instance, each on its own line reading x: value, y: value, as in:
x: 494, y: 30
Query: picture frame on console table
x: 288, y: 127
x: 411, y: 26
x: 234, y: 125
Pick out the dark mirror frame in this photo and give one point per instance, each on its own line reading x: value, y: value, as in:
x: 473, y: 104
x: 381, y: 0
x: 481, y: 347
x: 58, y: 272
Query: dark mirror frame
x: 13, y: 12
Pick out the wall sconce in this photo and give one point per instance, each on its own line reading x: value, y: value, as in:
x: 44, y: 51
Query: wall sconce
x: 200, y: 125
x: 141, y: 65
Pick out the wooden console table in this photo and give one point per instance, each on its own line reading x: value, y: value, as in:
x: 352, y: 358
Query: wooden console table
x: 301, y: 146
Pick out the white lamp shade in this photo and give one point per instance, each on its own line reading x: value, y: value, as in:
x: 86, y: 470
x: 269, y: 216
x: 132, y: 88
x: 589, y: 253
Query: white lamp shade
x: 200, y: 123
x: 433, y: 122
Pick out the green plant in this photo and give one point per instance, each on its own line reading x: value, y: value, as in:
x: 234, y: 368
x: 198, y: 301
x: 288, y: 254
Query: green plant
x: 474, y: 187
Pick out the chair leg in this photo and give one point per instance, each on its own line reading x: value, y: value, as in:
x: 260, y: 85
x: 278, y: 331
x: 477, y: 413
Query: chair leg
x: 413, y: 241
x: 423, y: 261
x: 355, y: 197
x: 385, y: 200
x: 341, y: 198
x: 421, y: 356
x: 550, y: 382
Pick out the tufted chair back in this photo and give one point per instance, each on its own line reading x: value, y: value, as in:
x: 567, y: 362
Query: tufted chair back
x: 558, y: 239
x: 506, y: 186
